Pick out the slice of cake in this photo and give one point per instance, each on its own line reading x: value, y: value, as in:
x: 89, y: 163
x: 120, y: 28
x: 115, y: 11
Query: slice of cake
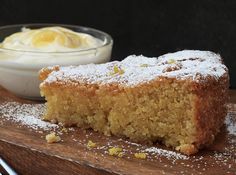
x: 178, y: 99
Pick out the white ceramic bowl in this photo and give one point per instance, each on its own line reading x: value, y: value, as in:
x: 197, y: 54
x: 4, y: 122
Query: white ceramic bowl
x: 22, y: 78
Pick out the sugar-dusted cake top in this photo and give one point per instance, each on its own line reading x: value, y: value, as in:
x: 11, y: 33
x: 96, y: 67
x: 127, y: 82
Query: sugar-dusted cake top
x: 187, y: 64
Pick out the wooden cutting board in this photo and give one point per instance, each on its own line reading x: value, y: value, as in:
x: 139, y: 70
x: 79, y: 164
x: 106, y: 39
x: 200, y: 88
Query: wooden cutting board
x: 27, y: 151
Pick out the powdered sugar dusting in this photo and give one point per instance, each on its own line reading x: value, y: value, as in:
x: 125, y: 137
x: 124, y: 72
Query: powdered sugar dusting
x: 187, y: 64
x: 166, y: 153
x: 230, y: 125
x: 28, y: 115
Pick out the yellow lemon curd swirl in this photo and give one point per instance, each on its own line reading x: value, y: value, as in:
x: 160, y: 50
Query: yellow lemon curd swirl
x: 50, y: 39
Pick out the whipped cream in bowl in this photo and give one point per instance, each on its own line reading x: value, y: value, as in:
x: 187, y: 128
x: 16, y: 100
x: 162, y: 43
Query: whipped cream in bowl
x: 25, y: 49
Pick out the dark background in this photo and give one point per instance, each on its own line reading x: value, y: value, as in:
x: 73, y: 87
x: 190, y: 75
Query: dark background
x: 149, y: 27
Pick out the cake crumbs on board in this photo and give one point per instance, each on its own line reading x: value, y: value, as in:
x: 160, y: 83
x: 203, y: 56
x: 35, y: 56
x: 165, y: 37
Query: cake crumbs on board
x: 52, y: 138
x: 115, y: 151
x: 91, y: 144
x: 140, y: 155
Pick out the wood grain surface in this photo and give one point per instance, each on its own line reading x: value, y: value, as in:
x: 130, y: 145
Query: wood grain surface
x: 27, y: 151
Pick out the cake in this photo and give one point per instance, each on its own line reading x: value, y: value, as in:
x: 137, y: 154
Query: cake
x: 178, y: 99
x: 52, y: 138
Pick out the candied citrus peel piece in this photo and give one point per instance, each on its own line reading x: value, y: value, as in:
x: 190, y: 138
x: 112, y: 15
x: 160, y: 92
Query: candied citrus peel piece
x: 171, y: 61
x: 117, y: 70
x: 144, y: 65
